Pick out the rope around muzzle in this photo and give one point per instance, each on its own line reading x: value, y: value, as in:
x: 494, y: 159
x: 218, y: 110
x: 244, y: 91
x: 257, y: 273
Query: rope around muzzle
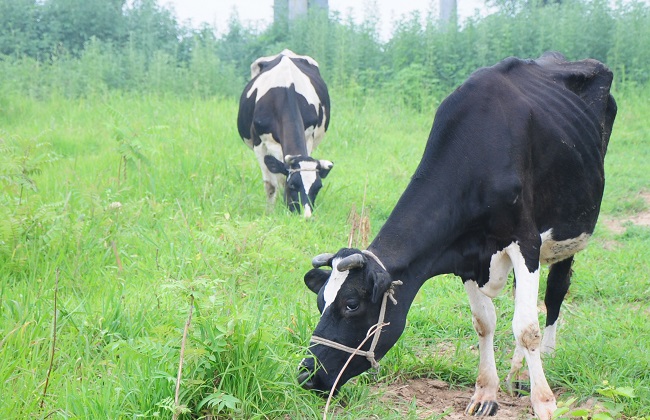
x: 374, y: 330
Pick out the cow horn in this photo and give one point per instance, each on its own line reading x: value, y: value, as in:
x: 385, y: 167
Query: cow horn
x: 351, y: 261
x: 321, y: 260
x: 289, y: 159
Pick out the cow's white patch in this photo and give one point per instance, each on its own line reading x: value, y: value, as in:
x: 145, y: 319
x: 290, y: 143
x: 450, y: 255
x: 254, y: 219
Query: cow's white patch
x: 269, y: 146
x: 525, y: 326
x: 525, y: 292
x: 272, y: 182
x: 548, y: 340
x: 553, y: 251
x: 500, y: 266
x: 484, y: 319
x: 308, y: 174
x: 334, y: 284
x: 309, y: 137
x: 319, y: 133
x: 256, y: 65
x: 285, y: 74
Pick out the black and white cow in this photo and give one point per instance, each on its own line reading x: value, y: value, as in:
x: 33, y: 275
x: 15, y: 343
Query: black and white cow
x: 511, y: 177
x: 284, y: 112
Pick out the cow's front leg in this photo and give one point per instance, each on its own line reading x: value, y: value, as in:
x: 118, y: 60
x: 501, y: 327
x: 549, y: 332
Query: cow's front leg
x: 272, y: 182
x: 271, y: 189
x: 484, y: 400
x: 528, y: 335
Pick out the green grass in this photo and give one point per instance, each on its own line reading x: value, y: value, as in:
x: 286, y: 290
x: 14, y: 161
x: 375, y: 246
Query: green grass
x: 191, y: 220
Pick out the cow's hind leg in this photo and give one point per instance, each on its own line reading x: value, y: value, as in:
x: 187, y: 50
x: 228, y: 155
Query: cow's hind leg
x: 514, y: 382
x: 484, y: 401
x: 525, y: 326
x: 557, y: 285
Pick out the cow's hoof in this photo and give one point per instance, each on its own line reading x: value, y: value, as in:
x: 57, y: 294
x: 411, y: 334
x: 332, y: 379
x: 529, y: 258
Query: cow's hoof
x: 482, y: 408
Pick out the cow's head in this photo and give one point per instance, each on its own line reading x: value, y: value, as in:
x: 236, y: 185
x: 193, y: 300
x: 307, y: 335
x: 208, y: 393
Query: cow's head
x: 304, y: 176
x: 349, y: 299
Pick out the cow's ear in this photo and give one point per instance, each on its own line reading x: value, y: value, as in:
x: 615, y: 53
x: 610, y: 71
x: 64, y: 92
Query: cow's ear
x: 316, y: 278
x: 324, y: 167
x: 275, y: 166
x: 382, y: 282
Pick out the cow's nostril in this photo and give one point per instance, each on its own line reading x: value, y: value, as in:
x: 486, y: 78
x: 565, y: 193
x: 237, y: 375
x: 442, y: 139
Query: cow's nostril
x: 305, y: 380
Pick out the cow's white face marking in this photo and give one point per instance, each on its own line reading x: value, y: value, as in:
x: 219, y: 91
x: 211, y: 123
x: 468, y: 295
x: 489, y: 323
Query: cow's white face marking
x: 553, y: 251
x: 285, y: 74
x: 334, y: 284
x: 308, y: 174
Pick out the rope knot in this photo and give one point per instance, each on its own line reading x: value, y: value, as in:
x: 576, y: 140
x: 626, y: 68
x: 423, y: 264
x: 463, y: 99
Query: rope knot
x: 391, y: 290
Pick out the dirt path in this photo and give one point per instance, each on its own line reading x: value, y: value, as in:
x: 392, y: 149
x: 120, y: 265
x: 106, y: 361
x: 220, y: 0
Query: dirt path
x: 642, y: 218
x: 434, y: 397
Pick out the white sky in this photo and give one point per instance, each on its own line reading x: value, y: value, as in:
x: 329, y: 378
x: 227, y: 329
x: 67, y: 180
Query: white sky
x: 260, y: 12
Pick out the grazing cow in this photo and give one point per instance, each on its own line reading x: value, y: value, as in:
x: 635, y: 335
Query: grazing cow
x: 511, y: 177
x: 284, y: 112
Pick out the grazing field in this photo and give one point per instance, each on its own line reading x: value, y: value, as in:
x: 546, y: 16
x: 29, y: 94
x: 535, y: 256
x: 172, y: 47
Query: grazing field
x: 119, y: 211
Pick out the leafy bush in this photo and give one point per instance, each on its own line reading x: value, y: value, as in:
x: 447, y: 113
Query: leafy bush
x: 421, y: 57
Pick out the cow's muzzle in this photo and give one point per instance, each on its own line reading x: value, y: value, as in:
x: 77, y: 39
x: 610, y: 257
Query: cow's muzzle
x: 311, y: 379
x: 306, y: 377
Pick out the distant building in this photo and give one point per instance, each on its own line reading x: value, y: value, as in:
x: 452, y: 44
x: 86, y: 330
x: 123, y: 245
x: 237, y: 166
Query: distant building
x: 448, y: 12
x: 291, y: 9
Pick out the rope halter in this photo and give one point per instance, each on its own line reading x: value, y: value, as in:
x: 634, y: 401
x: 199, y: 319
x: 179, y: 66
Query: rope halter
x: 303, y: 170
x: 375, y: 330
x: 293, y: 171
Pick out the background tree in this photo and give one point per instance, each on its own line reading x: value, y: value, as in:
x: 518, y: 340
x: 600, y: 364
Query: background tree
x: 20, y: 33
x: 69, y: 24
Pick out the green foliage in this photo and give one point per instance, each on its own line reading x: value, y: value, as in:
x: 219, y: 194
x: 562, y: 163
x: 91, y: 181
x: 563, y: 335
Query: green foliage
x: 86, y: 49
x: 67, y: 25
x: 19, y: 21
x: 610, y: 409
x: 25, y: 224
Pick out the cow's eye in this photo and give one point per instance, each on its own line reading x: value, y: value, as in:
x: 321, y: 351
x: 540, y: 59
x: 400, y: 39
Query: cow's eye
x: 352, y: 305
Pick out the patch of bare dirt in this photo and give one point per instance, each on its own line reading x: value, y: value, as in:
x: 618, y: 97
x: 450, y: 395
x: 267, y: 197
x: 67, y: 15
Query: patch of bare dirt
x: 618, y: 225
x: 436, y: 398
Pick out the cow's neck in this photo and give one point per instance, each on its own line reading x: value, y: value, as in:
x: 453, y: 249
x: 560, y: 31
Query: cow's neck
x: 292, y: 131
x: 415, y: 243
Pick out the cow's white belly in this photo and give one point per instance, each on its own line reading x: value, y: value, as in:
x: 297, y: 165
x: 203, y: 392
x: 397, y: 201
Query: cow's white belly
x: 553, y: 251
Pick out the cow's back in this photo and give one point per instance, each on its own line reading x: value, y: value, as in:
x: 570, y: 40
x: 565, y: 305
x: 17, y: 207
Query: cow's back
x: 533, y: 134
x: 281, y: 84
